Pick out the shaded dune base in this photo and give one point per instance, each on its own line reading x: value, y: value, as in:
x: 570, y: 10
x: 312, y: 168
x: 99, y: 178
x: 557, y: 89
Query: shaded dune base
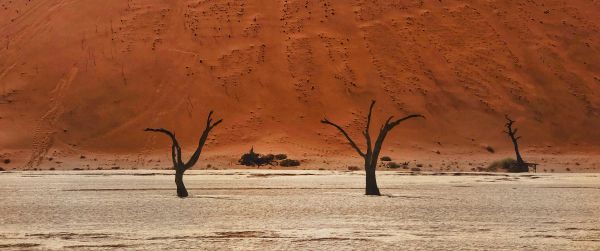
x: 80, y: 76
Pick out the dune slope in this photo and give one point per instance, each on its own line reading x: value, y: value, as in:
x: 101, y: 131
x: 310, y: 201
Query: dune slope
x: 90, y: 75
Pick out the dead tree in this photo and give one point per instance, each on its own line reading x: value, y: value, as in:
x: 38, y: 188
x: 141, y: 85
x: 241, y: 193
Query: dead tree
x: 521, y: 165
x: 179, y: 166
x: 371, y: 156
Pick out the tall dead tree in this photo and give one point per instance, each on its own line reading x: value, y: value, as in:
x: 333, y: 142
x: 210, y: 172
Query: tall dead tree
x: 371, y: 155
x: 179, y: 166
x: 521, y: 165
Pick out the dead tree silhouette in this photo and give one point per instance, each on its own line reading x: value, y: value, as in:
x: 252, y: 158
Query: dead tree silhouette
x: 371, y: 156
x: 179, y: 166
x: 521, y: 165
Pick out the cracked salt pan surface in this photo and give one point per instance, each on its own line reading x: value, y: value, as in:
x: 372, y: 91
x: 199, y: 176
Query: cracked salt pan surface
x: 316, y: 210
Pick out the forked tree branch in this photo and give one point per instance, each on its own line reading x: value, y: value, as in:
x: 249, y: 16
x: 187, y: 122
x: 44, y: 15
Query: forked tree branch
x: 509, y: 129
x: 176, y: 149
x: 385, y: 128
x: 209, y: 126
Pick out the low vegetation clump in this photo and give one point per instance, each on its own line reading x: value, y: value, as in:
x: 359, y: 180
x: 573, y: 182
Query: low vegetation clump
x: 280, y: 156
x: 289, y: 162
x: 385, y: 158
x: 353, y: 168
x: 2, y: 169
x: 255, y: 159
x: 6, y: 161
x: 508, y: 164
x: 392, y: 165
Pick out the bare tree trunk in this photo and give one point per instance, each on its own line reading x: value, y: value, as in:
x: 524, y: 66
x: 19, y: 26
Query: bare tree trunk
x: 512, y: 133
x: 372, y: 153
x: 179, y: 166
x: 517, y: 153
x: 181, y: 190
x: 371, y: 181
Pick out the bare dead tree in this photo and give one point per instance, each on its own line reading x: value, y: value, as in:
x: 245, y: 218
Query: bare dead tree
x: 179, y: 166
x: 371, y: 156
x: 521, y: 165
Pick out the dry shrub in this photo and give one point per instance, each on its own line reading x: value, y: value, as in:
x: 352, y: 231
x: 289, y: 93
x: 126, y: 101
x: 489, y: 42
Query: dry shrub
x: 508, y: 164
x: 385, y: 158
x: 353, y: 168
x: 255, y: 159
x: 280, y: 156
x: 393, y: 165
x: 289, y: 162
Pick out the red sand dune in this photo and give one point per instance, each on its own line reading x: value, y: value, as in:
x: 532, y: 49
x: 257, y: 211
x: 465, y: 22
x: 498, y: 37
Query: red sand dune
x: 88, y: 76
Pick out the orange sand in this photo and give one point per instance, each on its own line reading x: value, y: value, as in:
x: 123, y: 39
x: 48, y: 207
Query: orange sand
x: 85, y: 77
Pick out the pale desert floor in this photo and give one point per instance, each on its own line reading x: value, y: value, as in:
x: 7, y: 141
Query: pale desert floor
x: 315, y: 210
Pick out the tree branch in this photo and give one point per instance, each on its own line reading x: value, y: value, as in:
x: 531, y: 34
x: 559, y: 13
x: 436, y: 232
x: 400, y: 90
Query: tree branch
x: 325, y: 121
x: 398, y: 121
x: 194, y: 158
x: 366, y: 132
x: 388, y: 126
x: 175, y: 148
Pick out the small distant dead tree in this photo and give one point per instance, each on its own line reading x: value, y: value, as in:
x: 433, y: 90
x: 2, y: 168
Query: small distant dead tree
x: 179, y: 166
x: 371, y: 156
x: 521, y: 165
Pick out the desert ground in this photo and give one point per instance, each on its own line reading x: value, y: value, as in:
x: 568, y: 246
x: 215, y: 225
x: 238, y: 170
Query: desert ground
x: 313, y: 210
x: 80, y: 81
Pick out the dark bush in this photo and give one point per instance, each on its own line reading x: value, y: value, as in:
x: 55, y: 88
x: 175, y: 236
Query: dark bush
x: 289, y: 162
x: 385, y: 158
x: 392, y: 165
x: 2, y: 169
x: 280, y: 156
x: 249, y: 159
x: 490, y: 149
x: 6, y: 161
x: 255, y: 159
x: 415, y: 169
x: 267, y: 159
